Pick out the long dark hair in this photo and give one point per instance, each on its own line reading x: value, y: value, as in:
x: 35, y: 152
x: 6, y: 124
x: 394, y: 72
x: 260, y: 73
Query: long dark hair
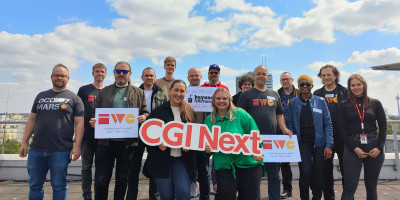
x: 187, y: 112
x: 350, y: 95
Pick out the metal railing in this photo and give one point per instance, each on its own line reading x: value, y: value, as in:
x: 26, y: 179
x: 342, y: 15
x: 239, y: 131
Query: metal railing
x: 395, y: 143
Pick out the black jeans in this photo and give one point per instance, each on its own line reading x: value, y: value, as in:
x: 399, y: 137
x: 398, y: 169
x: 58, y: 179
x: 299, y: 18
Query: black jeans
x: 203, y: 174
x: 328, y: 187
x: 105, y: 158
x: 135, y: 164
x: 287, y: 176
x: 353, y: 165
x: 311, y: 170
x: 247, y: 183
x: 88, y: 148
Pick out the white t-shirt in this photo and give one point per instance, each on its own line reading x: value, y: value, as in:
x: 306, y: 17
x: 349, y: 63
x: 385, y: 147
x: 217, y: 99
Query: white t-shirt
x: 176, y: 152
x: 147, y: 95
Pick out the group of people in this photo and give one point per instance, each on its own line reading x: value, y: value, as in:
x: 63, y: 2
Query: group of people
x: 331, y: 120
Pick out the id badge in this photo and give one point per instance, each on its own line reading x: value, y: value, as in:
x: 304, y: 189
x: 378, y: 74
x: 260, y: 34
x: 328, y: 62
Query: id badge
x: 363, y: 138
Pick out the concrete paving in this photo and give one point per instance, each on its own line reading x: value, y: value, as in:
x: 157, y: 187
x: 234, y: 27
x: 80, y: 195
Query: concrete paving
x: 387, y: 189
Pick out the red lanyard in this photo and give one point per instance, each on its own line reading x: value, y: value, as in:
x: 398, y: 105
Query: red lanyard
x: 361, y: 117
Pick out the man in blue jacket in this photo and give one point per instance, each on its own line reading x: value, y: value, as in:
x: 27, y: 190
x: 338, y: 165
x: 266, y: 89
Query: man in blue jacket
x: 308, y: 117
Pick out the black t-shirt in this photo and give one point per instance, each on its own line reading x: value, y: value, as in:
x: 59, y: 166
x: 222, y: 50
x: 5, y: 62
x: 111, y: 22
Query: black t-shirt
x: 307, y: 123
x: 88, y: 94
x: 331, y: 99
x: 54, y: 128
x: 263, y: 106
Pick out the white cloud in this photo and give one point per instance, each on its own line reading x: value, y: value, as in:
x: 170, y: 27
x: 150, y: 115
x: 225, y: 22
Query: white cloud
x: 385, y: 91
x: 368, y: 73
x: 356, y: 17
x: 376, y: 57
x: 319, y: 64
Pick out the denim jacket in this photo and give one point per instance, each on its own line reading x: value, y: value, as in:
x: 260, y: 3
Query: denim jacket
x: 321, y: 118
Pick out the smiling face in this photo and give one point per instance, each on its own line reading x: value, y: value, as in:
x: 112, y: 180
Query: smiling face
x: 99, y: 74
x: 59, y: 78
x: 305, y: 86
x: 122, y: 79
x: 148, y: 77
x: 170, y: 67
x: 286, y: 81
x: 260, y: 76
x: 328, y: 77
x: 222, y: 101
x: 356, y: 87
x: 213, y: 76
x: 194, y: 77
x: 246, y: 85
x: 177, y: 93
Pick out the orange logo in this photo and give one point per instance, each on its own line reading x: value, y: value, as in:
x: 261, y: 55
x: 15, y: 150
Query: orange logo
x: 64, y: 106
x: 117, y: 118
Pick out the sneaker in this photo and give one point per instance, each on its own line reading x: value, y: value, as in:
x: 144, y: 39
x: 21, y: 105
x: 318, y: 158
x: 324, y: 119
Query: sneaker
x: 285, y: 194
x: 193, y: 189
x: 87, y: 197
x: 215, y: 188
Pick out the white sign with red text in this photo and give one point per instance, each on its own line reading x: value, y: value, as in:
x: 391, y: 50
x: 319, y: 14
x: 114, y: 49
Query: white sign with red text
x: 280, y: 148
x: 116, y: 123
x: 200, y: 98
x: 195, y: 137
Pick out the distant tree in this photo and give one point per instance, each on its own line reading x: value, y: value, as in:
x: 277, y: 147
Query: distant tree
x: 11, y: 147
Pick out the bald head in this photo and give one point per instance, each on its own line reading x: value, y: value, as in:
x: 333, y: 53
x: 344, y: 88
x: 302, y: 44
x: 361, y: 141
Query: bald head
x: 194, y: 76
x: 260, y: 77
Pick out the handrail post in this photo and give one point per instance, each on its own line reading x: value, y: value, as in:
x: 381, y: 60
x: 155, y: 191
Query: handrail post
x: 396, y: 146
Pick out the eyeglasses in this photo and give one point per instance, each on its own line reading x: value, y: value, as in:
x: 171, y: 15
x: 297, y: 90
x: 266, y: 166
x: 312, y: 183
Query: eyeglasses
x: 286, y: 79
x: 60, y: 76
x: 124, y: 71
x: 305, y: 84
x: 215, y: 73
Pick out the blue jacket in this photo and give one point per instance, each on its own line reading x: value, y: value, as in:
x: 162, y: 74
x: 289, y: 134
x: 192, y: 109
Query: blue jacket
x: 321, y: 118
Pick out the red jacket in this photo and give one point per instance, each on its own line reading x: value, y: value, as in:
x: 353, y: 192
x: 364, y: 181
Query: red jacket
x: 207, y: 84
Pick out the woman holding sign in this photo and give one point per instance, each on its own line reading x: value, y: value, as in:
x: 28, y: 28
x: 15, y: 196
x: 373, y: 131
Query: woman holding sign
x: 235, y: 172
x: 172, y: 168
x: 358, y: 115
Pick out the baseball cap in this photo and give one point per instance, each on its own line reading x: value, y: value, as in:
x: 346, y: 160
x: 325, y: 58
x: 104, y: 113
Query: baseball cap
x: 214, y: 66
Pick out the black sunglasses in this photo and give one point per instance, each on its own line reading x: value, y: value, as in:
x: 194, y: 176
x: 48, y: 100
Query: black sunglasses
x: 305, y: 84
x: 124, y: 71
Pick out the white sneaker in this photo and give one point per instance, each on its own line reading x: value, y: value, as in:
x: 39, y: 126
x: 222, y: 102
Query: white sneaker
x: 193, y: 189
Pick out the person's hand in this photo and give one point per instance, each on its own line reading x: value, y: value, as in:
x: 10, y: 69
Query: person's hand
x: 327, y: 153
x: 374, y: 152
x: 141, y: 118
x: 92, y: 122
x: 75, y: 153
x: 360, y: 153
x: 23, y: 150
x: 162, y: 146
x: 259, y: 157
x: 185, y: 149
x: 288, y: 132
x: 208, y: 149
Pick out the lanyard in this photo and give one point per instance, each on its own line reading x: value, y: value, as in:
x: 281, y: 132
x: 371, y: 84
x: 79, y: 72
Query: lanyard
x: 361, y: 117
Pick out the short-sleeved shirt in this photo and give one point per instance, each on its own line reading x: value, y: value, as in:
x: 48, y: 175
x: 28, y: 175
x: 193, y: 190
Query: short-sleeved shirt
x: 263, y: 106
x: 88, y: 93
x: 331, y: 98
x: 54, y: 128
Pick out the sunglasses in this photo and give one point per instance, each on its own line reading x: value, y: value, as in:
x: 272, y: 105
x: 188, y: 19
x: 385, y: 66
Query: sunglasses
x: 213, y: 73
x: 305, y: 84
x: 124, y: 71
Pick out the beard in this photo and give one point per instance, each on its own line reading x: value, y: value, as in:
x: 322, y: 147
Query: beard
x: 59, y: 84
x: 121, y: 81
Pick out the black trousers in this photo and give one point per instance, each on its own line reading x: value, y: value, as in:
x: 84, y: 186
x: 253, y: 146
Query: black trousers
x: 247, y: 183
x: 328, y: 187
x: 353, y: 165
x: 287, y: 176
x: 105, y: 158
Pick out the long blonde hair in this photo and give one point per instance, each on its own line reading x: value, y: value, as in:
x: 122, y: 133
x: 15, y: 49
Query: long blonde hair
x: 187, y: 112
x: 230, y: 109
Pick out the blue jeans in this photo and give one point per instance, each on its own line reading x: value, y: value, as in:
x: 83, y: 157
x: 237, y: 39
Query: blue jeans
x: 311, y: 170
x: 39, y: 163
x: 177, y: 185
x: 202, y: 166
x: 274, y: 184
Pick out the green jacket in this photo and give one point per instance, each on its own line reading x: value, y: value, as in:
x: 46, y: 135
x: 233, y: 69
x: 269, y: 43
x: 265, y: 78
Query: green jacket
x: 242, y: 124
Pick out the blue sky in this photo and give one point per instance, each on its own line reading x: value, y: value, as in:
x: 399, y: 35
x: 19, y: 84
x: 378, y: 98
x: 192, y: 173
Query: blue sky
x: 298, y: 36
